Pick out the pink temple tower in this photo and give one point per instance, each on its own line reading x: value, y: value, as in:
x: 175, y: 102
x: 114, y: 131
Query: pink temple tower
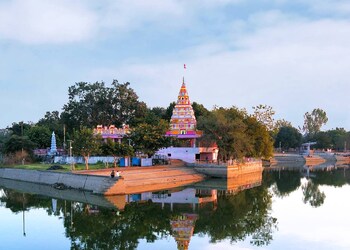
x: 183, y: 121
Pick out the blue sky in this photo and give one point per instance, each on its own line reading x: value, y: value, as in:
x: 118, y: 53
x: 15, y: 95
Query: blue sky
x: 292, y: 55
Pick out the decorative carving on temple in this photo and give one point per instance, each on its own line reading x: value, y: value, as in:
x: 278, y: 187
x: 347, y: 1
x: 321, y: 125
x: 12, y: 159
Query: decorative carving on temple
x: 183, y: 121
x: 112, y: 132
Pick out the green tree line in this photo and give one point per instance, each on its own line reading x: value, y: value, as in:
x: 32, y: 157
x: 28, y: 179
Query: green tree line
x: 237, y: 133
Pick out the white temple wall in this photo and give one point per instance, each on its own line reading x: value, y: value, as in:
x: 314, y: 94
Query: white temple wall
x: 185, y: 154
x: 92, y: 159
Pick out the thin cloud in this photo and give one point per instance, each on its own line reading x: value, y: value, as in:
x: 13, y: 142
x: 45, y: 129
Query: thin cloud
x: 47, y: 21
x: 294, y: 66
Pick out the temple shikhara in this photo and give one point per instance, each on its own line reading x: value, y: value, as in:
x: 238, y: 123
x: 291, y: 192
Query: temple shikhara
x: 183, y: 121
x: 183, y: 125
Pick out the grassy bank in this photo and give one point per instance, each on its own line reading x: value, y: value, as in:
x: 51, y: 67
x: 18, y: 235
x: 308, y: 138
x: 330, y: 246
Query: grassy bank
x: 66, y: 168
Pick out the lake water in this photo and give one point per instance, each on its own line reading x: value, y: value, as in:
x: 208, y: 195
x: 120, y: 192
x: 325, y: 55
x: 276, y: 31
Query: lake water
x: 276, y: 209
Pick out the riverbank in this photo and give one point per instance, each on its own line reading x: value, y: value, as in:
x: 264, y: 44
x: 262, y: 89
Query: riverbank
x: 301, y: 160
x: 227, y: 170
x: 133, y: 179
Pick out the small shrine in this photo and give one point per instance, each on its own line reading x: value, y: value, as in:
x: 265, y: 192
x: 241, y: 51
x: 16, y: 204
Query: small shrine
x: 116, y: 134
x: 183, y: 121
x: 53, y: 148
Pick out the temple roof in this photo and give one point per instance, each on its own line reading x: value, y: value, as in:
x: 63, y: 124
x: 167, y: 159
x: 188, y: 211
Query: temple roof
x: 183, y: 98
x: 183, y: 121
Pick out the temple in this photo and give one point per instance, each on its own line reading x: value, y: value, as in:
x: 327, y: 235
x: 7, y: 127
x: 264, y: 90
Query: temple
x: 183, y: 121
x: 111, y: 132
x: 183, y: 126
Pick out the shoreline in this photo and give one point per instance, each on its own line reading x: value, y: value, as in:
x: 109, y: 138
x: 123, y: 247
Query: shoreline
x: 315, y: 159
x: 133, y: 179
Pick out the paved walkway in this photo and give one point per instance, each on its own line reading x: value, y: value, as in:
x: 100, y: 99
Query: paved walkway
x: 144, y: 179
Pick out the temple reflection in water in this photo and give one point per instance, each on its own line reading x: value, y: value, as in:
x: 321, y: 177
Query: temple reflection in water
x: 178, y: 210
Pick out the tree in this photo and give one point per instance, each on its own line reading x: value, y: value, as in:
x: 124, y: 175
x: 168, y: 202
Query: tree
x: 282, y: 123
x: 125, y: 104
x: 288, y: 137
x: 279, y: 124
x: 54, y: 123
x: 148, y: 138
x: 260, y: 138
x: 16, y: 143
x: 314, y: 121
x: 4, y: 136
x: 339, y: 137
x: 264, y: 114
x: 169, y: 111
x: 324, y: 140
x: 91, y: 104
x: 20, y: 128
x: 115, y: 149
x: 153, y: 116
x: 85, y: 144
x: 40, y: 135
x: 236, y: 134
x: 17, y: 149
x: 199, y: 110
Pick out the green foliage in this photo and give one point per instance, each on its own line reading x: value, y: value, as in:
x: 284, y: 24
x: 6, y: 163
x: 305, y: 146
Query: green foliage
x: 323, y: 139
x: 20, y: 128
x: 54, y: 123
x: 199, y: 110
x: 260, y: 138
x: 314, y: 121
x: 236, y: 133
x: 154, y: 115
x: 336, y: 139
x: 115, y: 149
x: 169, y: 111
x: 238, y: 216
x: 91, y: 104
x: 85, y: 143
x: 264, y: 114
x: 16, y: 143
x: 288, y: 137
x: 148, y: 138
x: 4, y: 136
x: 40, y: 135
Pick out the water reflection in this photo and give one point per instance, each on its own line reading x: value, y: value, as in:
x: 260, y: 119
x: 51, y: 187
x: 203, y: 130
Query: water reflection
x: 287, y: 179
x: 233, y: 210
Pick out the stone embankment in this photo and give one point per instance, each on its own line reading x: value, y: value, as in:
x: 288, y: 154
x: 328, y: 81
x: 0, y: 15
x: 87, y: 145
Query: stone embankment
x: 227, y: 170
x: 301, y: 160
x: 132, y: 180
x: 95, y: 184
x: 64, y: 194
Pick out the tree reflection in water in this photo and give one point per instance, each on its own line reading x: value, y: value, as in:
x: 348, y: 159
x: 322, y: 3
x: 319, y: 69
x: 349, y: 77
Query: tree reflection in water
x: 238, y: 216
x: 312, y: 194
x: 233, y: 217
